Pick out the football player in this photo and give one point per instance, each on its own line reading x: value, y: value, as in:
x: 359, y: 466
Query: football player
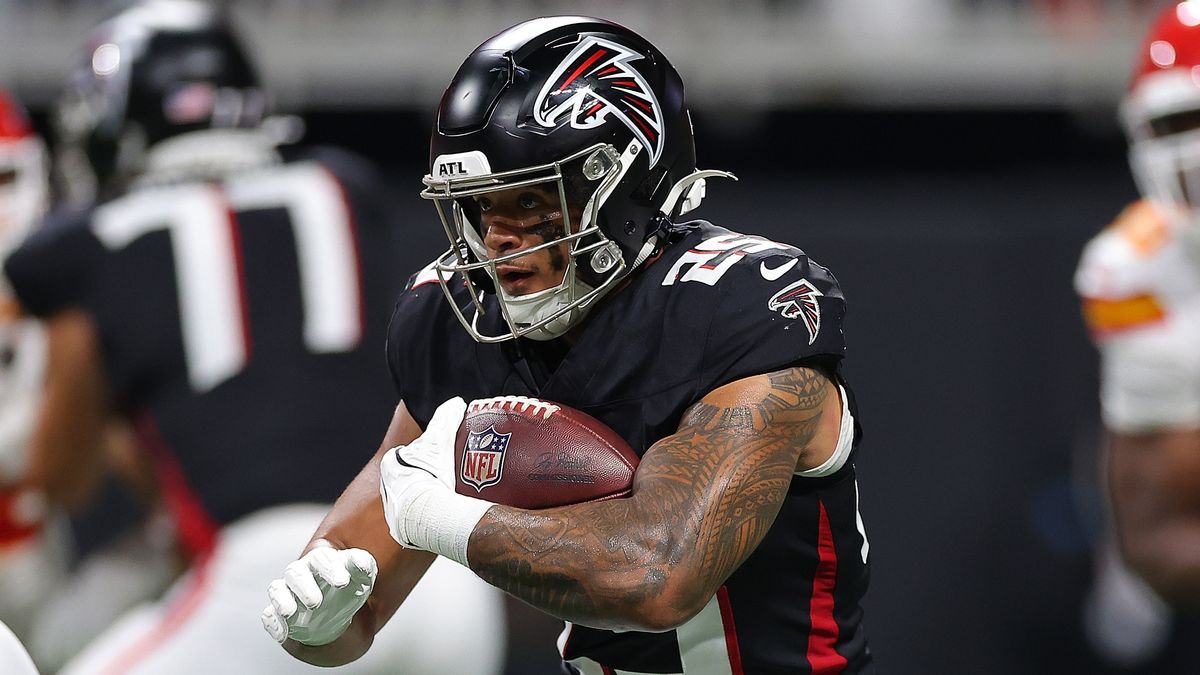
x: 39, y: 599
x: 562, y: 160
x: 232, y: 305
x: 33, y: 547
x: 1139, y: 281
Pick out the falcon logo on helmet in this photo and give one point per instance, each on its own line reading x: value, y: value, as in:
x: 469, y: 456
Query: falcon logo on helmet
x: 799, y: 301
x: 595, y: 81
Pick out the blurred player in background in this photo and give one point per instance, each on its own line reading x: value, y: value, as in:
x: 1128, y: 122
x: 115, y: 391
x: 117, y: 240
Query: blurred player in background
x: 39, y: 600
x: 33, y: 547
x: 232, y: 306
x: 1140, y: 284
x: 561, y: 161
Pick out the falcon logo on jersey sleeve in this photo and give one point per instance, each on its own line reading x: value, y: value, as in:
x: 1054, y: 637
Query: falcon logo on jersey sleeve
x: 799, y: 301
x: 596, y: 81
x: 483, y: 458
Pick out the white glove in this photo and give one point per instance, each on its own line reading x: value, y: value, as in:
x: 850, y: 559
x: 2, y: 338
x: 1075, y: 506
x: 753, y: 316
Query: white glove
x: 417, y: 484
x: 318, y: 595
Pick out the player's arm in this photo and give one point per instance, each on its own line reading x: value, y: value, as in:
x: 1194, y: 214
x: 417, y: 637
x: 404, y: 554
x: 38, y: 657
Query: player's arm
x: 356, y: 521
x: 1151, y: 407
x: 703, y: 498
x: 66, y: 449
x: 1154, y: 482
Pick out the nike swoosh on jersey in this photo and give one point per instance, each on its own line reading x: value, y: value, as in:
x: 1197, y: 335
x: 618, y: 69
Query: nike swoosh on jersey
x: 771, y: 274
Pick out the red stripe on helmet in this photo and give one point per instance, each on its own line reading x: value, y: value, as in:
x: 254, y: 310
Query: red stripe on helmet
x: 591, y: 59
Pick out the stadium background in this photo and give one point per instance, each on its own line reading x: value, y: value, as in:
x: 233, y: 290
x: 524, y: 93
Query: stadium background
x: 946, y: 158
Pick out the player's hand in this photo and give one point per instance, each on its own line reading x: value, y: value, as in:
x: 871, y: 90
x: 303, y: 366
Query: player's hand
x: 318, y: 595
x: 416, y: 482
x: 408, y: 473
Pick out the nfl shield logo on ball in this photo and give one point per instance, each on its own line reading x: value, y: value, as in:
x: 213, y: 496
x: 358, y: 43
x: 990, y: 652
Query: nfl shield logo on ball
x: 483, y: 458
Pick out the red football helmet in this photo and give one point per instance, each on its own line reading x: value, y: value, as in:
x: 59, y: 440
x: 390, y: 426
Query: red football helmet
x: 1161, y: 113
x: 23, y: 177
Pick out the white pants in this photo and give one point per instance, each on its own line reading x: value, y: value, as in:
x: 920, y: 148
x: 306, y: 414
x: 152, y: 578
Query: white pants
x: 30, y: 571
x: 208, y: 622
x: 133, y: 569
x: 14, y: 660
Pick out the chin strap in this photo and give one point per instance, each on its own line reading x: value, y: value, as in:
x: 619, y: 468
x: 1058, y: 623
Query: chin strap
x: 648, y: 249
x: 691, y: 189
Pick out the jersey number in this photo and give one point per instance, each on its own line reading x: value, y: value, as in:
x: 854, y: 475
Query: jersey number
x: 712, y: 258
x: 206, y: 247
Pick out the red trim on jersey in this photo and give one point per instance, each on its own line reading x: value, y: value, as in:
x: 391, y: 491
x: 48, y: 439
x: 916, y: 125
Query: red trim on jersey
x: 181, y: 609
x: 731, y: 640
x: 567, y: 641
x: 356, y: 244
x: 823, y: 635
x: 710, y: 266
x: 196, y: 528
x: 235, y: 239
x: 425, y: 282
x: 607, y: 671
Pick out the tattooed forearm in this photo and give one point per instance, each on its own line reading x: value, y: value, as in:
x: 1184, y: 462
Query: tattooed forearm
x: 703, y: 499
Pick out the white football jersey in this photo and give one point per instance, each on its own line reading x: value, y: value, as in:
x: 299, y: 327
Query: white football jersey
x: 1139, y: 281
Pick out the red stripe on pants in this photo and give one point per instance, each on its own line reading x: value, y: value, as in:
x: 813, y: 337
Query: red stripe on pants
x: 195, y: 527
x: 731, y: 641
x: 823, y: 636
x: 183, y: 608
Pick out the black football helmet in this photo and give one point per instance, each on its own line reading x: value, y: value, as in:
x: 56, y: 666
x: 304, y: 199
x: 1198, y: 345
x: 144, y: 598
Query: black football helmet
x: 157, y: 69
x: 593, y: 112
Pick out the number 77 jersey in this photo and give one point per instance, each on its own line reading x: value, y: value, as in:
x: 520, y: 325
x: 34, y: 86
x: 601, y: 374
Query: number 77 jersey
x: 242, y: 319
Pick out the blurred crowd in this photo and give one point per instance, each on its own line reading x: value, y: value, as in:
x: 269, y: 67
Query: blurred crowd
x: 802, y: 52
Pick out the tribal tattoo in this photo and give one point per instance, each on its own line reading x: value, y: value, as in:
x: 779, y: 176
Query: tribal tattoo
x: 703, y: 498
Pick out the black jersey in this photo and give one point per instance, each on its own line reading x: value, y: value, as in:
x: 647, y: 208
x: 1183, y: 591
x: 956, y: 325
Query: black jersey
x: 240, y: 324
x: 717, y: 307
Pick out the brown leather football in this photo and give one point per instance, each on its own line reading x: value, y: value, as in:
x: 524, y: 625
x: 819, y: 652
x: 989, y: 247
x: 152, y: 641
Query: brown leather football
x: 534, y: 454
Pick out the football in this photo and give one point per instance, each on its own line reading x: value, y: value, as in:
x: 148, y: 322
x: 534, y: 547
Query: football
x: 534, y: 454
